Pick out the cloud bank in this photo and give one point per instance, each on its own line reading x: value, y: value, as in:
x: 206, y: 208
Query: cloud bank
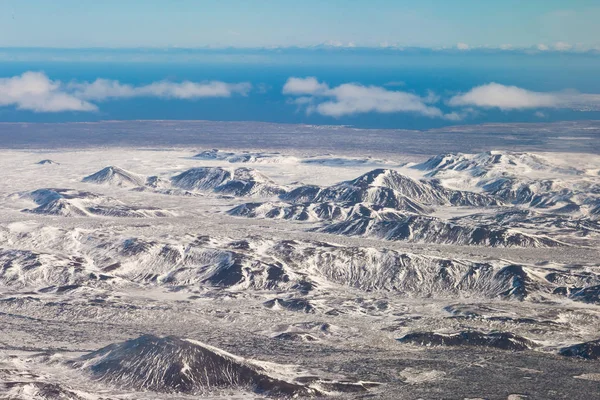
x: 354, y: 98
x: 34, y: 91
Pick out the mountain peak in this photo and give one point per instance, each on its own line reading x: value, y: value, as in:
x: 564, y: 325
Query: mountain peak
x: 115, y: 176
x: 175, y: 365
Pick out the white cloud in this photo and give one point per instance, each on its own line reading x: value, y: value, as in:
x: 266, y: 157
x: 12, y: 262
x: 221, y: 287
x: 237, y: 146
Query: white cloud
x: 33, y: 91
x: 542, y: 47
x: 462, y: 46
x: 302, y: 86
x: 337, y: 43
x: 301, y: 101
x: 495, y: 95
x: 103, y: 89
x: 562, y: 46
x: 36, y: 92
x: 454, y: 116
x: 353, y: 98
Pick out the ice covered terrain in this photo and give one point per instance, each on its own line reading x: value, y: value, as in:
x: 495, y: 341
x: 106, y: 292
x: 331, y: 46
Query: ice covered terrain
x: 243, y: 273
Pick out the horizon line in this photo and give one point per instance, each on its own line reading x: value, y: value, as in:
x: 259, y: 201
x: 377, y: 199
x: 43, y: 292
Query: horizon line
x: 581, y: 121
x: 529, y: 50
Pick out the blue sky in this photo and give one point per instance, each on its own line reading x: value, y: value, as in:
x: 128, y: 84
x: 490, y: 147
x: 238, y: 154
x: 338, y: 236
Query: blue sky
x: 258, y: 23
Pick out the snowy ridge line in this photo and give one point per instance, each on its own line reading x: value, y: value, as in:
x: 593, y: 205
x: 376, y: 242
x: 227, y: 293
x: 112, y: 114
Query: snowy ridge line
x: 106, y: 260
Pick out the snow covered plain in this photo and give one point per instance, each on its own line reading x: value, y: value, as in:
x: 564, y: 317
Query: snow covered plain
x: 185, y: 272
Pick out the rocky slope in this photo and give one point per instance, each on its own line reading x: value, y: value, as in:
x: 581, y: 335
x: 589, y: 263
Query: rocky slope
x: 175, y: 365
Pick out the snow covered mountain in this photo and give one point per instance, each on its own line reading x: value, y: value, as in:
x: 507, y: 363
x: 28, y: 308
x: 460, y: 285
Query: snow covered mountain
x: 46, y: 162
x: 492, y: 164
x: 312, y: 212
x: 519, y: 178
x: 387, y: 205
x: 116, y: 176
x: 30, y: 269
x: 416, y: 228
x: 175, y: 365
x: 279, y: 266
x: 499, y: 340
x: 235, y: 182
x: 76, y: 203
x: 246, y: 157
x: 388, y: 188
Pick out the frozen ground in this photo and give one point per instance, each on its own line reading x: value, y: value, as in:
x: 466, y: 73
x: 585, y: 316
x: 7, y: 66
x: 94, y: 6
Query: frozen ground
x: 484, y: 264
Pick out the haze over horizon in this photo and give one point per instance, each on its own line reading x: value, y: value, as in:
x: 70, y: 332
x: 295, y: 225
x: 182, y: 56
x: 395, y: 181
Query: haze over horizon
x: 378, y: 23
